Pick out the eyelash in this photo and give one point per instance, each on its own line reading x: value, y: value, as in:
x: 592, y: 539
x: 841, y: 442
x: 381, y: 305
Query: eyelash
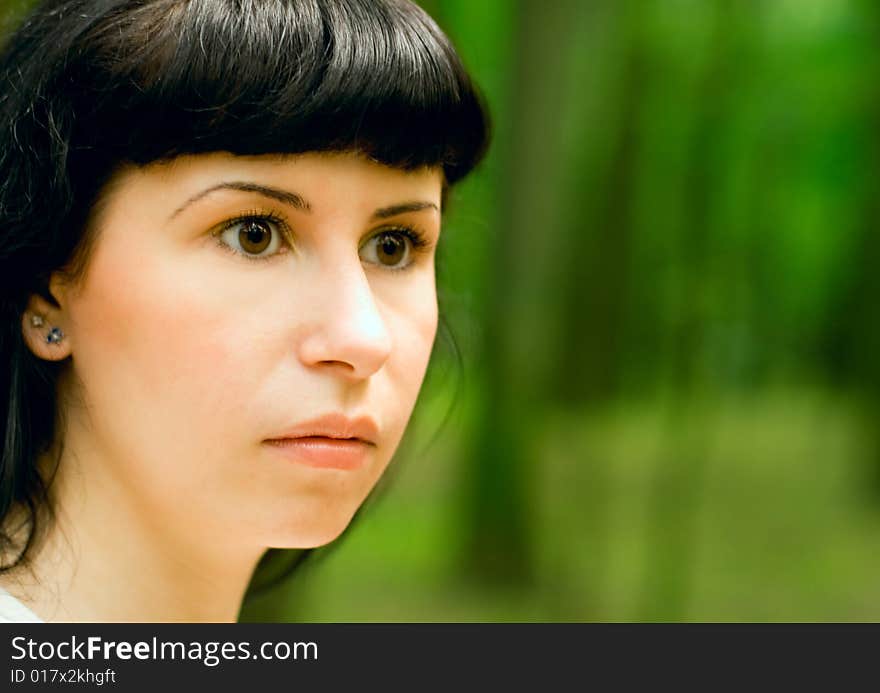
x: 419, y: 242
x: 255, y: 215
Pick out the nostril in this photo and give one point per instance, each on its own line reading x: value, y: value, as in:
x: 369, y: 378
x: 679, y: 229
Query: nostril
x: 340, y: 364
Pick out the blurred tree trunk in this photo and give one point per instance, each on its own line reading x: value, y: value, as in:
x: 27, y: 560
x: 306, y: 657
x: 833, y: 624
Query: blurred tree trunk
x: 857, y: 318
x: 516, y: 355
x: 590, y: 287
x: 594, y: 278
x: 678, y: 483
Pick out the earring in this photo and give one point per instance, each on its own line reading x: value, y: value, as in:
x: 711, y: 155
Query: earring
x: 55, y: 336
x: 37, y: 320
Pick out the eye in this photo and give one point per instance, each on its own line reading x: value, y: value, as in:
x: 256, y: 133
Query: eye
x: 392, y: 249
x: 254, y: 237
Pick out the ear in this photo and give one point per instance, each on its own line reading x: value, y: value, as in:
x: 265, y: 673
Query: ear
x: 44, y: 325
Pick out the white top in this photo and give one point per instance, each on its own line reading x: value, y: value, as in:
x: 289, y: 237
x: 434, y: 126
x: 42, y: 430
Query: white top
x: 13, y: 611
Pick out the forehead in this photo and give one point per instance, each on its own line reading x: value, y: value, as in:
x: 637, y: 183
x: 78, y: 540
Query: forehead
x: 326, y: 181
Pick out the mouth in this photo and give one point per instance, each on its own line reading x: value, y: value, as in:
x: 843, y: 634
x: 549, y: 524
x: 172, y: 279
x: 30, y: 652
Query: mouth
x: 330, y: 442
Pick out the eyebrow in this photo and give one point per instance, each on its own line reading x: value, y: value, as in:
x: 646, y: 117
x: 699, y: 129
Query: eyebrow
x: 284, y: 196
x: 298, y: 202
x: 394, y: 210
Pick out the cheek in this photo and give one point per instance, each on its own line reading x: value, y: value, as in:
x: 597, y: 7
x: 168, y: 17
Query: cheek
x: 421, y: 330
x: 161, y: 353
x: 414, y: 327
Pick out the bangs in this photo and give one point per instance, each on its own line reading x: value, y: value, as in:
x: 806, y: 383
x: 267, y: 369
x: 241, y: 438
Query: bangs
x: 275, y: 76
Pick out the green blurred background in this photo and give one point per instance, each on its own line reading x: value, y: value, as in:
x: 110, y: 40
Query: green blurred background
x: 662, y: 288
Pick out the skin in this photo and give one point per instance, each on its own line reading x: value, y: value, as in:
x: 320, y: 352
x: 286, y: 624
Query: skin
x: 186, y: 357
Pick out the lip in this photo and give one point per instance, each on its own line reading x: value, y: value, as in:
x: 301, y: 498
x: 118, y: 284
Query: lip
x: 333, y: 441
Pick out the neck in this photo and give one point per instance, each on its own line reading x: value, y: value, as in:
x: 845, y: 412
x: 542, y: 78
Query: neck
x: 105, y: 557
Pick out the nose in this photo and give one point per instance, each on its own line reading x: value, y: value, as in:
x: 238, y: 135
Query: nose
x: 348, y: 333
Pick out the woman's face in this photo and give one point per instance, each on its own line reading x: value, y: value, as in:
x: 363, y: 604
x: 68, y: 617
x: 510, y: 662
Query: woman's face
x: 227, y: 303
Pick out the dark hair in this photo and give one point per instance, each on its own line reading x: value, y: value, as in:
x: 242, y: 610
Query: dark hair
x: 87, y: 86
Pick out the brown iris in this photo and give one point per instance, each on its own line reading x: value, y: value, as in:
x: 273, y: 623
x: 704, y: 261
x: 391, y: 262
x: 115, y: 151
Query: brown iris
x: 390, y: 249
x: 255, y: 236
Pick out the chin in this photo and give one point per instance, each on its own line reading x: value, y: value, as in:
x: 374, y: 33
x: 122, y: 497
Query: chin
x: 312, y: 532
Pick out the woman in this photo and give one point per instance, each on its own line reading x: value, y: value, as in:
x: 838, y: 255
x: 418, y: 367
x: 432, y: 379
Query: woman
x: 219, y: 222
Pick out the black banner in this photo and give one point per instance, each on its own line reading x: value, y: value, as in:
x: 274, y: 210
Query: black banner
x: 415, y: 656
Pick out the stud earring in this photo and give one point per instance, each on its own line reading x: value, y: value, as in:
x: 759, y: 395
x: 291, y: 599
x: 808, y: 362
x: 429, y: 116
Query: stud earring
x: 55, y: 336
x: 37, y: 320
